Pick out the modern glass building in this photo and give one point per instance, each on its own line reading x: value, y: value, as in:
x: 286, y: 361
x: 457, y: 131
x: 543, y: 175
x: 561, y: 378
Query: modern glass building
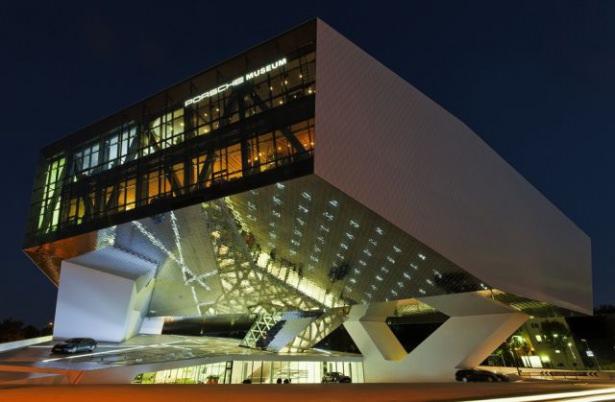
x: 304, y: 185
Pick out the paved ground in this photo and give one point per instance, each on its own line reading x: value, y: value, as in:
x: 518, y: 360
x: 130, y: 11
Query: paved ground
x: 309, y: 393
x: 139, y: 350
x: 118, y: 363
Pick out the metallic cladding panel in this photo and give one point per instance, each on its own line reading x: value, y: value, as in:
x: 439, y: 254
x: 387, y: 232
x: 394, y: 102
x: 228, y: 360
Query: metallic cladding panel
x: 394, y: 150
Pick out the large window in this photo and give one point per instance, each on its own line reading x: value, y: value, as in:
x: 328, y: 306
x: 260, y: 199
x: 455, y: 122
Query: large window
x: 85, y: 160
x: 164, y: 132
x: 118, y: 144
x: 256, y: 371
x: 49, y: 215
x: 184, y: 149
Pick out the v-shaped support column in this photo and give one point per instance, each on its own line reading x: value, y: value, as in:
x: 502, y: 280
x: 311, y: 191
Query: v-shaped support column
x: 476, y: 326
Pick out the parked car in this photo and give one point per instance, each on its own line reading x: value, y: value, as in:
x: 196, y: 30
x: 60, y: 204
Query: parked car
x: 334, y: 376
x: 75, y: 345
x: 476, y: 375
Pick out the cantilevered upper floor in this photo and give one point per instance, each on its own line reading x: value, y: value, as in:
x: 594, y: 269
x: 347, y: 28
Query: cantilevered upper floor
x: 245, y: 122
x: 434, y: 208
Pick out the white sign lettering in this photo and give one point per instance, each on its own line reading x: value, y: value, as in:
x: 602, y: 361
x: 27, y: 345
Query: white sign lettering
x: 236, y: 82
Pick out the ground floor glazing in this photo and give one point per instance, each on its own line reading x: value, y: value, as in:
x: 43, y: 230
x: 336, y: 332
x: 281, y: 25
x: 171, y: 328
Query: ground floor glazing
x: 256, y: 371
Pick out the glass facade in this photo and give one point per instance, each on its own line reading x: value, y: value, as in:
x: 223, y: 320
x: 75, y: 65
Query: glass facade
x: 257, y: 371
x: 252, y: 125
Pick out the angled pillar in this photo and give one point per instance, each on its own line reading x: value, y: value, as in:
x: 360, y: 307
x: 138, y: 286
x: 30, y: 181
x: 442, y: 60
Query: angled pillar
x: 103, y: 295
x: 476, y: 326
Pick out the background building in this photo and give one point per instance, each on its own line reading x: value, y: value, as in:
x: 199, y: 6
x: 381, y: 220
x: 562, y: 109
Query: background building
x: 304, y: 185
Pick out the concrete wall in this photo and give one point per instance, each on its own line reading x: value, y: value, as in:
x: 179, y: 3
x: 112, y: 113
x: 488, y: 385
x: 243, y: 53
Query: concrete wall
x: 100, y: 305
x: 397, y: 152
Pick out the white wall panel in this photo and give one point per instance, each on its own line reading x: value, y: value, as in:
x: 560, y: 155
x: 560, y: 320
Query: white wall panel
x: 391, y: 148
x: 91, y: 303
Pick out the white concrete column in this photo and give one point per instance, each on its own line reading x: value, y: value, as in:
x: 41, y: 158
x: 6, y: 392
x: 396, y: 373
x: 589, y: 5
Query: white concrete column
x: 103, y: 295
x: 476, y: 326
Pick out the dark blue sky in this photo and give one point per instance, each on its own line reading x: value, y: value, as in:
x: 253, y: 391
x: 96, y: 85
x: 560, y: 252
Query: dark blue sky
x: 536, y: 80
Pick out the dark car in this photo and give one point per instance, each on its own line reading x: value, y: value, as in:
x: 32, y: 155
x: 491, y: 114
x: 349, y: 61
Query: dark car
x: 334, y: 376
x: 75, y: 345
x: 475, y: 375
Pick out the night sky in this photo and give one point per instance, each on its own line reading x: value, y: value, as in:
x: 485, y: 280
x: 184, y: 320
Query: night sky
x: 536, y: 80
